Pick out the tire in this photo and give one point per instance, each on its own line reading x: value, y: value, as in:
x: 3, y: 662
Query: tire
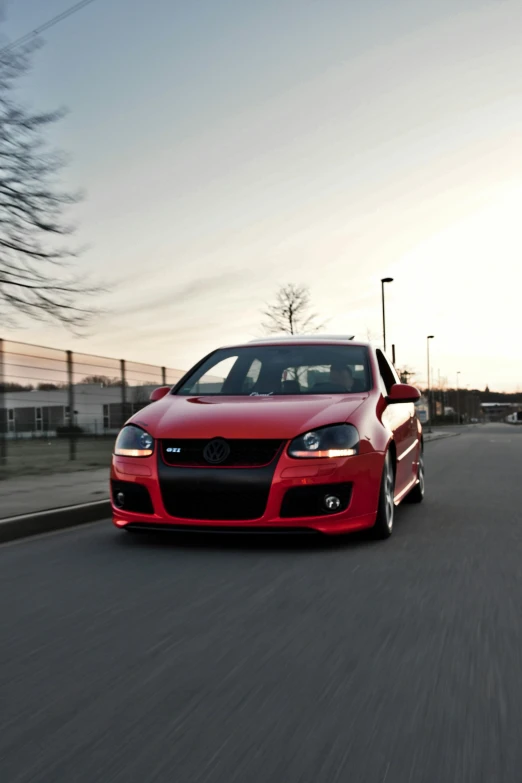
x: 417, y: 493
x: 383, y: 527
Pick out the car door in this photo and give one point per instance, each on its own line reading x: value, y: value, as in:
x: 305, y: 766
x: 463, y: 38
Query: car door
x: 400, y: 418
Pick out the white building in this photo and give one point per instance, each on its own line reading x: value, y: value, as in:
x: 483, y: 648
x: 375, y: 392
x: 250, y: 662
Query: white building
x: 97, y: 409
x: 496, y: 411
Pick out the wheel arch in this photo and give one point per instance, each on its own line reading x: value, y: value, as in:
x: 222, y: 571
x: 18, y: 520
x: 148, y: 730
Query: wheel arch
x: 392, y: 448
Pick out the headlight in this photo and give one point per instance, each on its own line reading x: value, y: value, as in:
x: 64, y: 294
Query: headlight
x: 341, y: 440
x: 134, y: 442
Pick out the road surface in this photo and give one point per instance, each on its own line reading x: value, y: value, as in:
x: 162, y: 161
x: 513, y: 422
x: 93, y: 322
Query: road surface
x: 126, y: 661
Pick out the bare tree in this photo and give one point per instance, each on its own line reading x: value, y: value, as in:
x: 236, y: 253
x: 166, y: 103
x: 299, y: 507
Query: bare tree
x: 291, y: 313
x: 35, y: 278
x: 101, y: 380
x: 406, y: 375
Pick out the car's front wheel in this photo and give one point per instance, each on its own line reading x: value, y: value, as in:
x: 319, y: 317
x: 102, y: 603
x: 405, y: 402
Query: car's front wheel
x: 383, y: 527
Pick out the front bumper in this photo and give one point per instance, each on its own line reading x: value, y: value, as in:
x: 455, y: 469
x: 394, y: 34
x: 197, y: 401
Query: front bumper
x: 171, y: 489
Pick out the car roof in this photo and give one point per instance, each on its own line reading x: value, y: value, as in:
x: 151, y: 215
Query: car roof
x: 303, y: 339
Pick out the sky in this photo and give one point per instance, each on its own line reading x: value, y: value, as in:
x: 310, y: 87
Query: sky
x: 226, y: 147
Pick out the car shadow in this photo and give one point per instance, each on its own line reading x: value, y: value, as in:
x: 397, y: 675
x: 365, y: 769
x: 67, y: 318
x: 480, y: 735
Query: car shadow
x: 244, y: 542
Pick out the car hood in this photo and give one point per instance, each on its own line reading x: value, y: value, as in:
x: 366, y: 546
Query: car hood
x: 244, y: 417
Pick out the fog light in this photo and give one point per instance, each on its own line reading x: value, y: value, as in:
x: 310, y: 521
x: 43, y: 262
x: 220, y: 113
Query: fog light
x: 120, y: 499
x: 332, y: 502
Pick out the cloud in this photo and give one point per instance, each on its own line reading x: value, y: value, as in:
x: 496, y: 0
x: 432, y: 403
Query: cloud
x: 192, y: 293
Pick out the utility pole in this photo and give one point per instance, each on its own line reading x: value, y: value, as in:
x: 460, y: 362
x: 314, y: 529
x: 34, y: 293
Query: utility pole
x: 383, y: 281
x: 430, y: 407
x: 458, y: 398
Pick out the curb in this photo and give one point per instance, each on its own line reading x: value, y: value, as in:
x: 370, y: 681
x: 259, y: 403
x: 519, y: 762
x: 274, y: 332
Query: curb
x: 26, y: 525
x: 443, y: 436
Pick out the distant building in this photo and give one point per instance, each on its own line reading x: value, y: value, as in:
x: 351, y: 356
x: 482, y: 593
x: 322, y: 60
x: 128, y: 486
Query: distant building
x: 97, y: 410
x: 498, y: 411
x: 422, y: 409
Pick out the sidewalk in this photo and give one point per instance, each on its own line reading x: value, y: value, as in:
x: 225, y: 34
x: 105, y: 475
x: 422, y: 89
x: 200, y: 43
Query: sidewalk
x: 438, y: 435
x: 29, y: 494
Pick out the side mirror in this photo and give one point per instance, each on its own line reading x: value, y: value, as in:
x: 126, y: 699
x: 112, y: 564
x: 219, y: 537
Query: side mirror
x: 403, y: 392
x: 159, y: 393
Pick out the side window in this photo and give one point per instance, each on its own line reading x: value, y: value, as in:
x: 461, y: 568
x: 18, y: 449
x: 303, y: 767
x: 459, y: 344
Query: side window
x: 294, y: 378
x: 251, y: 376
x: 388, y: 375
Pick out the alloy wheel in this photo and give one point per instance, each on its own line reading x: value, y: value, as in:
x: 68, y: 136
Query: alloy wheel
x: 421, y: 474
x: 389, y: 504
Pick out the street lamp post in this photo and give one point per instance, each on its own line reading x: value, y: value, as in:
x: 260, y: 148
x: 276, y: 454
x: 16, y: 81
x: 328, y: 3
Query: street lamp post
x: 383, y: 281
x: 458, y: 398
x: 430, y: 337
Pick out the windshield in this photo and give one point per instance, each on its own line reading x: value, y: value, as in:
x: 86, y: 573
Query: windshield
x: 272, y: 370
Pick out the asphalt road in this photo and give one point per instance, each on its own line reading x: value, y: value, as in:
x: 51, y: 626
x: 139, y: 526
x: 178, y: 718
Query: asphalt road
x: 131, y: 661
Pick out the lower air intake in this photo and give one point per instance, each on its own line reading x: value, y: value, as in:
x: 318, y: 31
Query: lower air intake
x: 310, y: 501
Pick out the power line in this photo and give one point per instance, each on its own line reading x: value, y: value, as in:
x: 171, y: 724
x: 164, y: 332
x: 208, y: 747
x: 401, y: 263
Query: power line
x: 46, y: 25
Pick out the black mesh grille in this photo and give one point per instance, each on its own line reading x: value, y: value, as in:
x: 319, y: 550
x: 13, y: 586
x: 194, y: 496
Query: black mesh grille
x: 232, y: 503
x: 243, y: 453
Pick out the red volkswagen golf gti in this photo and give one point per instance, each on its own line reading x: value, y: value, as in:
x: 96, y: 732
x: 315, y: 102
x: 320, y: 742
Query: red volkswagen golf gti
x: 282, y: 435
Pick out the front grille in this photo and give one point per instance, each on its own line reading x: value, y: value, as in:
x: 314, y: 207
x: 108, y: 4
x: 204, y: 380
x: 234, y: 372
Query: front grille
x: 232, y: 503
x: 243, y: 453
x: 309, y: 501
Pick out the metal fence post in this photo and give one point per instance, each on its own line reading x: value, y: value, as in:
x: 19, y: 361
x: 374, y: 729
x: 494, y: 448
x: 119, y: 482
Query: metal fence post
x: 3, y: 411
x: 163, y: 376
x: 72, y: 420
x: 123, y: 393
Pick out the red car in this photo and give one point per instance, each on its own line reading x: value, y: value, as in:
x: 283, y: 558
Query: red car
x: 298, y: 434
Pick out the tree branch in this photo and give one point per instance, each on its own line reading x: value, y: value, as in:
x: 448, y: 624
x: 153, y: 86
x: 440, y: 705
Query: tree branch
x: 32, y: 212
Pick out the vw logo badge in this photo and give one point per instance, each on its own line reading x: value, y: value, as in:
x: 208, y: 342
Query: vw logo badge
x: 216, y: 451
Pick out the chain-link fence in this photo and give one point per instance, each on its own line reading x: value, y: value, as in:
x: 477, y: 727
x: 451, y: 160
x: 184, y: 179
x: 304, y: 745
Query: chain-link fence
x: 61, y: 410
